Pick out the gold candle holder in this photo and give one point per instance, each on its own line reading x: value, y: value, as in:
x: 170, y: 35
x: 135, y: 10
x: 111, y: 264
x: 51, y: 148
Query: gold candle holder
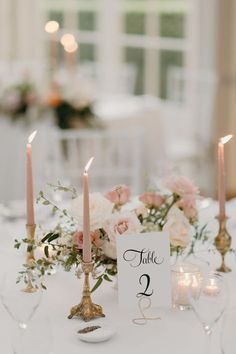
x: 30, y: 258
x: 86, y: 310
x: 222, y: 243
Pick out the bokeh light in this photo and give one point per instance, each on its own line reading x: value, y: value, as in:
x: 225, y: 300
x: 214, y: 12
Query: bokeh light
x: 67, y: 39
x: 71, y: 48
x: 51, y: 26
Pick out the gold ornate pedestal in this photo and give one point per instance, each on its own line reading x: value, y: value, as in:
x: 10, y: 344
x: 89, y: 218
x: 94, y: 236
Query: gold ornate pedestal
x: 86, y: 310
x: 222, y: 243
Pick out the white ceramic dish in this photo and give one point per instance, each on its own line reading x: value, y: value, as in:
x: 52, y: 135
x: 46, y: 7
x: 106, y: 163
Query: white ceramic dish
x: 99, y: 335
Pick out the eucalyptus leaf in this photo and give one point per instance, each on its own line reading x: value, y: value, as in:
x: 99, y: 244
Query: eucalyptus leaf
x: 97, y: 284
x: 45, y: 238
x: 53, y: 237
x: 107, y: 278
x: 46, y: 251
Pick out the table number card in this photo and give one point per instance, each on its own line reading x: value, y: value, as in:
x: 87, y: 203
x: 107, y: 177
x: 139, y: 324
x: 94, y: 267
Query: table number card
x: 144, y: 269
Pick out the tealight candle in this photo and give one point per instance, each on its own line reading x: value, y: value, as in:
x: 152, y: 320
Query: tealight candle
x: 211, y: 289
x: 185, y: 277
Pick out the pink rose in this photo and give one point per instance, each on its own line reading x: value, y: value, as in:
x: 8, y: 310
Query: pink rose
x: 141, y: 211
x: 119, y: 195
x: 122, y: 224
x: 119, y: 224
x: 152, y: 199
x: 95, y: 238
x: 181, y: 186
x: 189, y: 206
x: 77, y: 239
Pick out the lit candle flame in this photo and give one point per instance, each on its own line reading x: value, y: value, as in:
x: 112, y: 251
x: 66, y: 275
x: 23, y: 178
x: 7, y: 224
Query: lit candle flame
x: 212, y: 282
x: 226, y: 138
x: 32, y: 136
x: 89, y: 163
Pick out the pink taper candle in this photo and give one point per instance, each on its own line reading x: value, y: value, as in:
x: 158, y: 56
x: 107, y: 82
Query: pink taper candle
x: 87, y: 257
x: 221, y: 176
x: 29, y: 181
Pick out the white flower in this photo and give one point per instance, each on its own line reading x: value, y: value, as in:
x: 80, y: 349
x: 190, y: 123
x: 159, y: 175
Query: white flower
x: 99, y: 207
x: 179, y: 227
x: 119, y: 224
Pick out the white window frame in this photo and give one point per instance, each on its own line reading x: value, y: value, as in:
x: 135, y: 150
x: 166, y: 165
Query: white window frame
x: 198, y: 46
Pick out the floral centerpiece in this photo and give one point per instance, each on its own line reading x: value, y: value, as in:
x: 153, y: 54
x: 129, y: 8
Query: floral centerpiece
x: 174, y: 209
x: 72, y: 113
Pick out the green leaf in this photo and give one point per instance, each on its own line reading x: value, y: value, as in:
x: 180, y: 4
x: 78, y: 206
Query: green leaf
x: 29, y: 248
x: 107, y: 278
x: 97, y: 284
x: 53, y: 237
x: 46, y: 237
x: 54, y: 209
x: 17, y: 245
x: 46, y: 251
x: 46, y: 202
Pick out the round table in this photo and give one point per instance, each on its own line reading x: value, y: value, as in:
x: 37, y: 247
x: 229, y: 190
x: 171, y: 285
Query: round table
x: 176, y: 331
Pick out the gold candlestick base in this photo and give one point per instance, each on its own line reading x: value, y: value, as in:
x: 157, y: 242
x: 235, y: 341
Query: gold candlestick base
x: 86, y: 310
x: 222, y: 243
x: 29, y: 288
x: 30, y: 258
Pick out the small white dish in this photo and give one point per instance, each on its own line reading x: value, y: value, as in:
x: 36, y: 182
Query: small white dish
x: 98, y: 335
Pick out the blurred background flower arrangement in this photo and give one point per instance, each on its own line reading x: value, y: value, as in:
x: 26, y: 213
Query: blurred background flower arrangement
x: 20, y: 101
x: 23, y: 102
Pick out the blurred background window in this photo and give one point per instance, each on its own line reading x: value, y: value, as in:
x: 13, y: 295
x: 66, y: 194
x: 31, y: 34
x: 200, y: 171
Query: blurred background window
x: 150, y: 39
x: 87, y: 52
x: 87, y: 21
x: 57, y: 16
x: 134, y: 23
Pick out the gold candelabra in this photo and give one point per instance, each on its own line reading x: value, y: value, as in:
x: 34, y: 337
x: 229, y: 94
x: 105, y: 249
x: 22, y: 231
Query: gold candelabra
x: 86, y: 309
x: 30, y: 258
x: 222, y: 243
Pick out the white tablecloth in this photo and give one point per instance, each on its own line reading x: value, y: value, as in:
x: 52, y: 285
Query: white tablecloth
x: 176, y: 332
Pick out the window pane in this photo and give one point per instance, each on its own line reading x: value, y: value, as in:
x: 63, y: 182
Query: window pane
x: 168, y: 59
x: 86, y: 52
x: 172, y: 25
x: 134, y: 23
x: 135, y: 57
x: 57, y: 16
x: 60, y: 54
x: 87, y: 21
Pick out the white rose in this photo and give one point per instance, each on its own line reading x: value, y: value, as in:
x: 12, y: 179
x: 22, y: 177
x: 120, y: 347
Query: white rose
x: 109, y: 248
x: 178, y: 227
x: 99, y: 207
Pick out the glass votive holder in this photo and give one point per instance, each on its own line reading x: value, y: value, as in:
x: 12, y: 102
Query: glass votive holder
x: 185, y: 277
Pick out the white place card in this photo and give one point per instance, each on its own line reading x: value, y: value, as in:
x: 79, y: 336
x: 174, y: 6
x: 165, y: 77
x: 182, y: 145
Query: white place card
x: 144, y: 269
